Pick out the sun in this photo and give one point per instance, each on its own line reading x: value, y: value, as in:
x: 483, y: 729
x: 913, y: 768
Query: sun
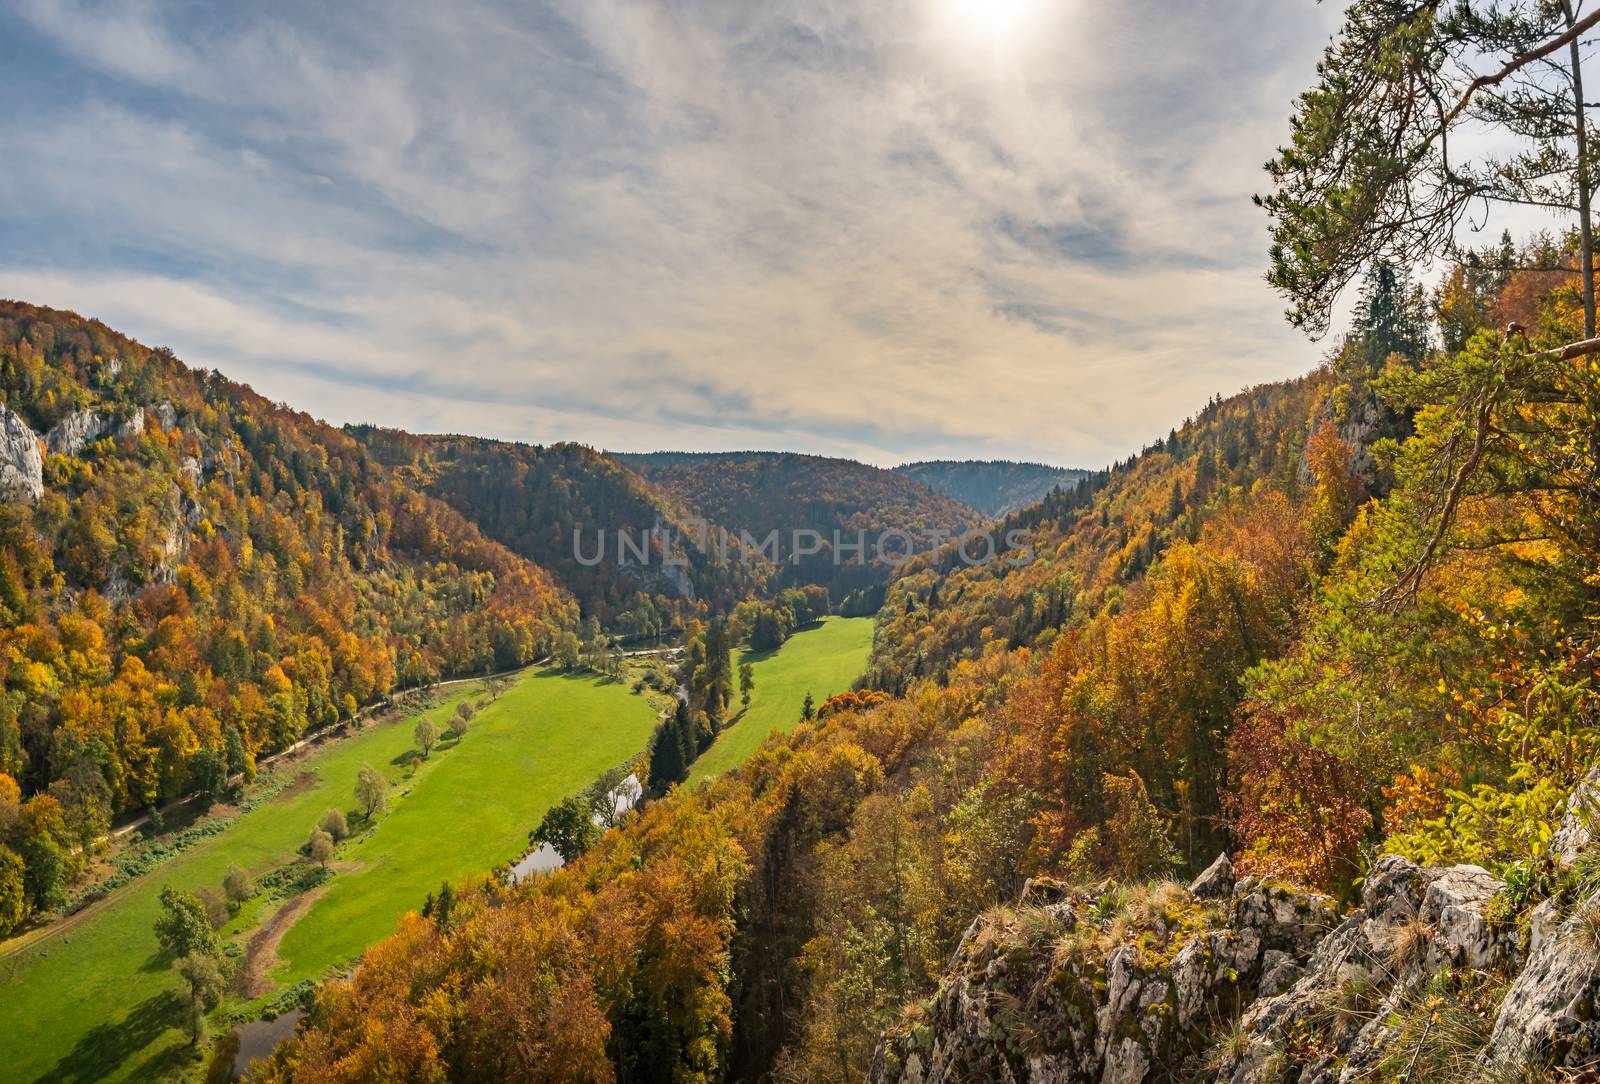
x: 999, y: 24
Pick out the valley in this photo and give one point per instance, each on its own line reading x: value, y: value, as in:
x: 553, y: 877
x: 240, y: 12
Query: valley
x: 107, y: 1004
x: 455, y: 702
x: 820, y: 661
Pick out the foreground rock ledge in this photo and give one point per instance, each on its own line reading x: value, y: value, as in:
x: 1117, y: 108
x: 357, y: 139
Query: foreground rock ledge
x: 1258, y: 981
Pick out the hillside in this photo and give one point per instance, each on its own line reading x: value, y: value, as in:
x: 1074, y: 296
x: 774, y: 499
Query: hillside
x: 1267, y: 635
x: 994, y: 487
x: 761, y: 492
x: 533, y: 498
x: 192, y: 576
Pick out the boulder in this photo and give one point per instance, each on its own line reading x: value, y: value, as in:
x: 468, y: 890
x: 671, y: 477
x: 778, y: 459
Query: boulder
x: 1217, y: 881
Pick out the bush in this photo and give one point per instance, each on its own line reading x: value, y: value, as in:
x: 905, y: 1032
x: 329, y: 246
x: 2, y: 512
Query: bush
x: 216, y: 907
x: 334, y: 823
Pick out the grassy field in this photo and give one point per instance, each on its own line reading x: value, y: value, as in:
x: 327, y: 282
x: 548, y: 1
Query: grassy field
x: 822, y: 661
x: 93, y: 1000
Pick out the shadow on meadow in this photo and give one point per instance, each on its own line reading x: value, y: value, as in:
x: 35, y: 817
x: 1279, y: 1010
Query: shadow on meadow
x: 107, y: 1046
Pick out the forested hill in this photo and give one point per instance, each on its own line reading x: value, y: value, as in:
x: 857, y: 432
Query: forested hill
x: 759, y: 492
x: 994, y: 487
x: 191, y: 576
x: 534, y: 498
x: 1086, y: 547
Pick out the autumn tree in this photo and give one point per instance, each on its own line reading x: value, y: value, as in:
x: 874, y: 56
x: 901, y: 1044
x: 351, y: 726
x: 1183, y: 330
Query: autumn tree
x: 203, y: 983
x: 426, y: 733
x: 238, y: 885
x: 320, y: 847
x: 13, y: 892
x: 1135, y: 834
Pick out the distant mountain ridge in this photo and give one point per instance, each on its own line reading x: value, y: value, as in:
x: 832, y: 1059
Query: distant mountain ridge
x: 994, y: 487
x: 759, y: 492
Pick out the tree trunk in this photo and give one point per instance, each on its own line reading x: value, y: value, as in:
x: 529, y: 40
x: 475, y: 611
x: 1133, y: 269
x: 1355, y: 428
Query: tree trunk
x: 1585, y: 230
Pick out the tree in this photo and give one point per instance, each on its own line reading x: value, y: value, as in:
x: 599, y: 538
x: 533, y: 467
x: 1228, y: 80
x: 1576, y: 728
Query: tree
x: 216, y: 906
x: 567, y: 651
x: 238, y: 885
x: 372, y: 790
x: 46, y: 870
x: 208, y: 776
x: 183, y: 928
x: 427, y: 735
x: 1370, y: 172
x: 747, y: 682
x: 567, y: 826
x: 1137, y: 837
x: 13, y: 891
x: 85, y: 801
x: 460, y: 720
x: 320, y: 847
x: 808, y: 708
x: 335, y: 824
x: 667, y: 764
x: 202, y: 980
x: 607, y: 796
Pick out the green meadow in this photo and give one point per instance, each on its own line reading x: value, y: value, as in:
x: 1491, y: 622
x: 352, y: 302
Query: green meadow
x: 102, y: 1003
x: 822, y: 660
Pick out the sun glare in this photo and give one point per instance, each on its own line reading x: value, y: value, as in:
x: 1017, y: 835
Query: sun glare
x: 999, y: 24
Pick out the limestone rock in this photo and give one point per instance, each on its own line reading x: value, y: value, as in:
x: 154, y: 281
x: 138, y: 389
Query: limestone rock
x: 76, y: 431
x: 1217, y: 880
x: 1548, y: 1014
x: 21, y: 463
x: 1575, y: 829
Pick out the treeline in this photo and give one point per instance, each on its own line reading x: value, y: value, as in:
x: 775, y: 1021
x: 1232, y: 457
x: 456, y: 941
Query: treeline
x: 765, y: 625
x: 204, y: 578
x: 994, y: 487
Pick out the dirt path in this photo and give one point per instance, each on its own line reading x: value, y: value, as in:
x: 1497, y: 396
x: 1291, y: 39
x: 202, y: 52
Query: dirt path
x: 261, y: 954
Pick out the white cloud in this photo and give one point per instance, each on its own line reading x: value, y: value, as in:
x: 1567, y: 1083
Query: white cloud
x: 814, y: 225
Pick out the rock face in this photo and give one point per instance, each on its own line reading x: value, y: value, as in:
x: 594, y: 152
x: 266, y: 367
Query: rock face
x: 1069, y: 986
x: 1549, y: 1014
x: 1094, y: 987
x: 1413, y: 923
x: 21, y: 463
x: 77, y: 431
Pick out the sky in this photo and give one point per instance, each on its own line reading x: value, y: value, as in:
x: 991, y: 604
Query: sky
x: 890, y: 230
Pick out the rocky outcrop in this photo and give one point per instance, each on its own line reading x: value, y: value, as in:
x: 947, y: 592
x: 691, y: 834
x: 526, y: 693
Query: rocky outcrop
x: 1548, y: 1017
x: 21, y: 462
x: 1414, y: 922
x: 72, y: 434
x: 1098, y: 986
x: 1257, y: 982
x: 1216, y: 882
